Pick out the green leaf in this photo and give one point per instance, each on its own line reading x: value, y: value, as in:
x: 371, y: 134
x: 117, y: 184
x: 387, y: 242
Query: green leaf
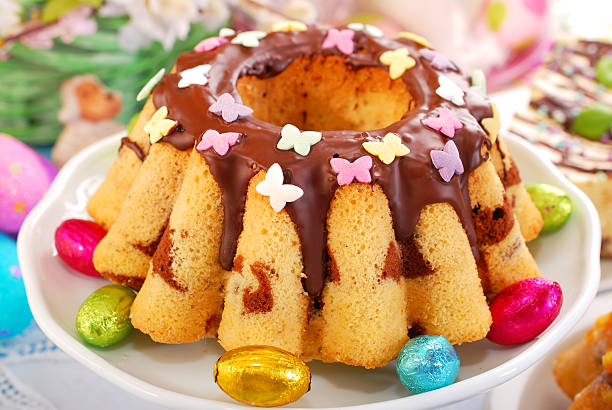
x: 604, y: 71
x: 496, y: 12
x: 54, y: 9
x: 593, y: 122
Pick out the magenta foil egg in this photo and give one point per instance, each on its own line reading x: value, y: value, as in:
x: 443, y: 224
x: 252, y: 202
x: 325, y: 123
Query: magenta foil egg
x: 75, y: 241
x: 524, y: 310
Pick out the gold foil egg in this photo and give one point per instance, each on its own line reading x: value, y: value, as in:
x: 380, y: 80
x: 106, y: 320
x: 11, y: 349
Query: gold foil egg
x: 262, y: 376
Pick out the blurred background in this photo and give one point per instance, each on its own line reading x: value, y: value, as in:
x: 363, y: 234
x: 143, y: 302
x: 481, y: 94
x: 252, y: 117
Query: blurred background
x: 70, y: 71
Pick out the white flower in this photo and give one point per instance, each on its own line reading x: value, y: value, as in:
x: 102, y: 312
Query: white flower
x: 163, y: 20
x: 196, y: 75
x: 279, y: 193
x: 9, y: 17
x: 213, y: 13
x: 302, y: 10
x: 450, y: 91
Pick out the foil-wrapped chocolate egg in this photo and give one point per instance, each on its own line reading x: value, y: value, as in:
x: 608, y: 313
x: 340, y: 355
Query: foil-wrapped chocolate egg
x: 75, y: 241
x: 15, y: 315
x: 104, y: 317
x: 262, y: 376
x: 554, y: 205
x: 524, y: 310
x: 427, y: 363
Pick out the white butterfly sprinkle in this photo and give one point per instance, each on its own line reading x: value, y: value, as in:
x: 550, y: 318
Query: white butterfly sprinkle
x: 367, y: 28
x: 272, y: 186
x: 226, y: 32
x: 249, y: 38
x: 450, y: 91
x: 196, y: 75
x: 291, y: 137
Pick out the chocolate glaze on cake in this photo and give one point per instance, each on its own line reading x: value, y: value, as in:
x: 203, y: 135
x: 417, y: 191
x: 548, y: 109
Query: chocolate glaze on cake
x: 126, y: 142
x: 409, y: 182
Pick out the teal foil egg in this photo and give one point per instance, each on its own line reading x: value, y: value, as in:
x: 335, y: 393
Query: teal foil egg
x: 427, y: 363
x: 15, y: 315
x: 104, y: 317
x: 554, y: 205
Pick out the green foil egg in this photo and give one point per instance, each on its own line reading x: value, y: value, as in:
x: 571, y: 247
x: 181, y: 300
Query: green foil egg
x: 104, y: 317
x: 554, y: 205
x: 603, y: 70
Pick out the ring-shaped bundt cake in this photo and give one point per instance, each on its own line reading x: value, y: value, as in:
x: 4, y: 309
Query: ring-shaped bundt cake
x: 328, y: 192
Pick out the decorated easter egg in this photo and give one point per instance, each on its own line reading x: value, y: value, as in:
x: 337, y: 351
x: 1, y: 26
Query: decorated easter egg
x: 554, y: 205
x: 524, y: 310
x: 104, y: 317
x: 262, y: 376
x: 427, y: 363
x: 15, y: 313
x: 75, y: 241
x: 23, y: 181
x: 48, y: 166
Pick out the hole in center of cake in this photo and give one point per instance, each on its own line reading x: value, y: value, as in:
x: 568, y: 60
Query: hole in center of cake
x: 325, y: 94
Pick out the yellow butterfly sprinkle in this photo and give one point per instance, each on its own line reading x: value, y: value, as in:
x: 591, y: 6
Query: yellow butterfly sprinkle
x: 414, y: 37
x: 159, y: 126
x: 398, y: 61
x: 289, y: 26
x: 493, y: 124
x: 386, y: 150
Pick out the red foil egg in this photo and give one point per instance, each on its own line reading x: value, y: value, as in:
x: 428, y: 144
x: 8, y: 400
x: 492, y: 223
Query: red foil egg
x: 524, y: 310
x: 75, y: 241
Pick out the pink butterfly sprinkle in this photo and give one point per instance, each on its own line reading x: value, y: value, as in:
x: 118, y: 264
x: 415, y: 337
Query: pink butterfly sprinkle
x: 227, y: 107
x: 210, y: 44
x: 341, y: 39
x: 347, y: 171
x: 445, y: 122
x: 447, y: 162
x: 219, y: 142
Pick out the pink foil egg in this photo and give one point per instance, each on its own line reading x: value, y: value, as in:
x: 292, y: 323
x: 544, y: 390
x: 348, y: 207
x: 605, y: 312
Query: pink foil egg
x: 75, y: 241
x: 524, y: 310
x: 24, y: 178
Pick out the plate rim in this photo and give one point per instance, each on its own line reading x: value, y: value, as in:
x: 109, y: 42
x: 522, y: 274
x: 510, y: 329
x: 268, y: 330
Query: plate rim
x: 447, y: 395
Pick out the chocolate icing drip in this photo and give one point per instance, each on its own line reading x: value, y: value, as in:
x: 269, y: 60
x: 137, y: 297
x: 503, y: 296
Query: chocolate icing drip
x: 410, y: 182
x: 125, y: 141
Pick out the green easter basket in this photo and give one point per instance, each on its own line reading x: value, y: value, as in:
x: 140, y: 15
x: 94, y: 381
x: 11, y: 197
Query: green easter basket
x: 30, y: 79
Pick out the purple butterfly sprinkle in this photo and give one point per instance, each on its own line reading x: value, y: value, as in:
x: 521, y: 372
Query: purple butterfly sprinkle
x: 447, y: 161
x: 437, y: 60
x: 230, y: 110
